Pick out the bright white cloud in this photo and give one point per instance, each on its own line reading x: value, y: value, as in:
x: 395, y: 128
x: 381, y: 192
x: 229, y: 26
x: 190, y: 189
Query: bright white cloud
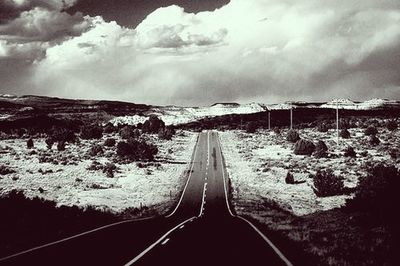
x: 264, y: 50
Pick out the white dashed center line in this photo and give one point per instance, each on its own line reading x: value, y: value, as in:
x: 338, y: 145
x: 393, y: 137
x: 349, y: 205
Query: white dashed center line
x: 165, y: 241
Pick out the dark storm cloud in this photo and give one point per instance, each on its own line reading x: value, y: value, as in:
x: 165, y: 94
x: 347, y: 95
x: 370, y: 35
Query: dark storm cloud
x: 130, y: 13
x: 40, y: 24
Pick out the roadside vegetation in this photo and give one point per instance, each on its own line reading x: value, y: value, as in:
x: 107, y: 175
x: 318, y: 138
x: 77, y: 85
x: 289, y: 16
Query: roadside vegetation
x: 334, y: 201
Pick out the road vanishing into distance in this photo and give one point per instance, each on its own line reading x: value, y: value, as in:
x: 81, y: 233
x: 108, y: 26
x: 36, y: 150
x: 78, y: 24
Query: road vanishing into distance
x: 201, y: 230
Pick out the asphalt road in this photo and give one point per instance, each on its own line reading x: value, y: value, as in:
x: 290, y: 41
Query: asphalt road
x: 201, y: 230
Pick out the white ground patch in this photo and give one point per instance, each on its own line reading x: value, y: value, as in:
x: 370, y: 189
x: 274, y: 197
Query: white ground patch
x: 75, y: 185
x: 258, y: 163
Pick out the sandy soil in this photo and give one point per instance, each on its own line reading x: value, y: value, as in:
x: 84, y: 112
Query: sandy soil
x: 258, y: 163
x: 73, y: 184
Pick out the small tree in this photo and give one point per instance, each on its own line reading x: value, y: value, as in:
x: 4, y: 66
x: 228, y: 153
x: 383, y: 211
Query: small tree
x: 126, y: 132
x: 327, y: 184
x: 153, y: 125
x: 29, y: 143
x: 109, y: 169
x: 293, y: 136
x: 109, y: 128
x: 165, y: 133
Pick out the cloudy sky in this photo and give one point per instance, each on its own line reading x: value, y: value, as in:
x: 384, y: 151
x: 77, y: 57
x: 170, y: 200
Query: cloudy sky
x: 200, y: 52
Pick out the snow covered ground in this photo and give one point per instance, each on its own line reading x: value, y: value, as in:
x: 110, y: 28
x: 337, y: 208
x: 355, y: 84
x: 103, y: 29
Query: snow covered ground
x: 73, y: 184
x: 258, y: 164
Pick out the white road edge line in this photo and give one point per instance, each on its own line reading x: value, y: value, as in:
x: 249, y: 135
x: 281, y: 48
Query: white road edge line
x: 135, y: 259
x: 71, y: 237
x: 188, y: 180
x: 277, y: 251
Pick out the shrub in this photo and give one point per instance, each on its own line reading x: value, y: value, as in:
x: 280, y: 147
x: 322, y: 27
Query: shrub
x: 289, y: 178
x: 251, y: 127
x: 109, y: 128
x: 373, y: 140
x: 109, y: 169
x: 4, y: 170
x: 91, y: 132
x: 153, y: 125
x: 327, y: 184
x: 136, y: 150
x: 394, y: 153
x: 344, y: 133
x: 292, y: 136
x: 392, y: 125
x: 320, y: 149
x: 126, y: 132
x: 29, y: 143
x: 349, y: 152
x: 62, y: 134
x: 277, y: 130
x: 49, y: 142
x: 61, y: 145
x: 371, y: 130
x: 377, y: 192
x: 165, y: 133
x: 322, y: 127
x: 110, y: 142
x: 304, y: 147
x: 95, y: 166
x: 95, y: 150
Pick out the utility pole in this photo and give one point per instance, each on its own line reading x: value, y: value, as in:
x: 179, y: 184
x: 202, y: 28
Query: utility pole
x: 269, y: 120
x: 291, y: 116
x: 337, y: 121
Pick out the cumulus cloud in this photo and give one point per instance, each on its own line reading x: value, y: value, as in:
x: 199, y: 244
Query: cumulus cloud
x: 264, y: 50
x: 44, y: 25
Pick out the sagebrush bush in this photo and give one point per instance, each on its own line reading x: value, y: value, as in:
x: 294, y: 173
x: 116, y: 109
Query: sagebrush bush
x: 394, y: 153
x: 321, y: 149
x: 127, y: 132
x: 292, y: 136
x: 392, y: 125
x: 326, y: 183
x: 5, y: 170
x: 165, y: 133
x: 110, y: 142
x: 109, y: 169
x: 349, y: 152
x: 304, y: 147
x: 95, y: 150
x: 322, y: 127
x: 371, y: 130
x: 29, y: 143
x: 277, y: 130
x: 109, y: 128
x: 377, y: 192
x: 62, y: 134
x: 289, y: 178
x: 49, y: 142
x: 251, y: 127
x: 153, y: 125
x: 61, y: 145
x: 91, y: 132
x: 136, y: 150
x: 373, y: 140
x: 344, y: 133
